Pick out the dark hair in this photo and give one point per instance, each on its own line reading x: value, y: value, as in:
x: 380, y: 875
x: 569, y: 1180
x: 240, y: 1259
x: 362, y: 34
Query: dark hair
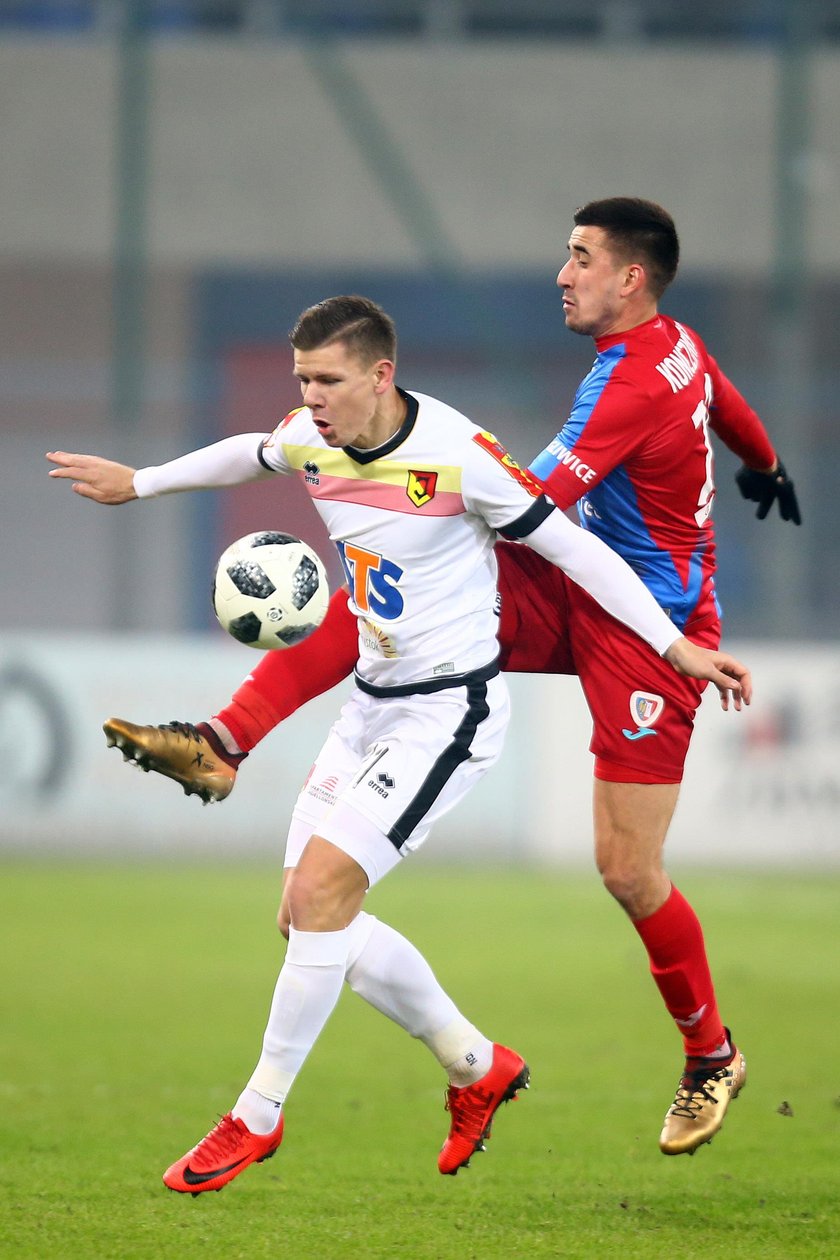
x: 637, y: 228
x: 363, y: 326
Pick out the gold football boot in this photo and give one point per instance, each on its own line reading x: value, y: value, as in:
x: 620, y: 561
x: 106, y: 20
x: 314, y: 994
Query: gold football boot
x: 706, y: 1089
x: 192, y: 757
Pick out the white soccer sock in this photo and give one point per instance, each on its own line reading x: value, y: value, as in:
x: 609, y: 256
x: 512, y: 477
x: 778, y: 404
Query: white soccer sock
x: 468, y: 1067
x: 259, y: 1114
x: 394, y: 977
x: 305, y: 996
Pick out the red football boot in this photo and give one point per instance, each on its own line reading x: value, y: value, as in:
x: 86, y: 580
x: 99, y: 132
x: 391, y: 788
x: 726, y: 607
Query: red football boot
x: 227, y: 1151
x: 473, y: 1107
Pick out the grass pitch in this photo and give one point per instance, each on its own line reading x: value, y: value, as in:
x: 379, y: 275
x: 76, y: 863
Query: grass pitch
x: 133, y: 1003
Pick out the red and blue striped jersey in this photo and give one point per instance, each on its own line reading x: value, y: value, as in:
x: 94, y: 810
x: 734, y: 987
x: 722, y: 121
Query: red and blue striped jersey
x: 635, y: 456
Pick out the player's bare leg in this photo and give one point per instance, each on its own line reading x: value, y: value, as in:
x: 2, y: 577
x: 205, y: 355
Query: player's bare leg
x: 631, y: 822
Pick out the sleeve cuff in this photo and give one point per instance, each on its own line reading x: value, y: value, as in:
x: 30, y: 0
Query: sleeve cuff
x: 528, y: 521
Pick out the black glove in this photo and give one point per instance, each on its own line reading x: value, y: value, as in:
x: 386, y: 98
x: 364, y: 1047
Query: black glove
x: 765, y: 488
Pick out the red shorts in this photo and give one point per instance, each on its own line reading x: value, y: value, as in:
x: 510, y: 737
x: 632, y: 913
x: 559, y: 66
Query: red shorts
x: 642, y: 709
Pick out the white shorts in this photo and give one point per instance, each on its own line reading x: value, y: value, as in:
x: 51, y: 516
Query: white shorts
x: 392, y: 766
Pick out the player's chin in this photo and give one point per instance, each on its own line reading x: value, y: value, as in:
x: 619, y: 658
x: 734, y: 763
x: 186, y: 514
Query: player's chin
x: 575, y: 324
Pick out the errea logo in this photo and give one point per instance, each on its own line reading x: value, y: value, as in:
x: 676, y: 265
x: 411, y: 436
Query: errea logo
x: 383, y: 784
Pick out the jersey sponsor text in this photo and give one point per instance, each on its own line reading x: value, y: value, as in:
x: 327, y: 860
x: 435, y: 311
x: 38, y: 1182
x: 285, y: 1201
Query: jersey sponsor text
x: 585, y: 472
x: 372, y: 580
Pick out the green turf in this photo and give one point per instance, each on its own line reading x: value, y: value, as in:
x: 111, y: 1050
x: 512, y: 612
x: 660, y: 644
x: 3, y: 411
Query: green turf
x: 133, y: 1002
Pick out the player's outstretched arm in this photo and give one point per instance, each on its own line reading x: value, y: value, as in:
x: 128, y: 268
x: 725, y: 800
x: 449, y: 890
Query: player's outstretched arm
x: 728, y: 674
x: 93, y: 477
x: 231, y: 462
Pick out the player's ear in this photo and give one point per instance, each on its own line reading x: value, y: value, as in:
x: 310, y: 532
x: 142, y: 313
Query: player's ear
x: 383, y: 375
x: 635, y: 278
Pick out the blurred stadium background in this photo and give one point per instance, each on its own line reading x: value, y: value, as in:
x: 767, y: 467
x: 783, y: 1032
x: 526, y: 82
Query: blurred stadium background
x: 182, y: 177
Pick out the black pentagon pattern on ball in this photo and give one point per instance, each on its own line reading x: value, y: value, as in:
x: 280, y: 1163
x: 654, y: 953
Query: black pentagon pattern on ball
x: 269, y: 536
x: 246, y: 628
x: 250, y: 578
x: 305, y: 583
x: 294, y: 634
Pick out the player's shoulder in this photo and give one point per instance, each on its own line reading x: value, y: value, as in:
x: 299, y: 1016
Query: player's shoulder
x: 435, y: 411
x: 669, y: 335
x: 464, y: 441
x: 443, y: 426
x: 294, y: 426
x: 659, y: 351
x: 647, y: 341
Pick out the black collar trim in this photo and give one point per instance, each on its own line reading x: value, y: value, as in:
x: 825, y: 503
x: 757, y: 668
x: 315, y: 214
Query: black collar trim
x: 368, y: 456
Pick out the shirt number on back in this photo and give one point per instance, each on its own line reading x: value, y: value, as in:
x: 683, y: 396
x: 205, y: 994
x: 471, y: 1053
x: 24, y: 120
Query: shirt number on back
x: 700, y: 419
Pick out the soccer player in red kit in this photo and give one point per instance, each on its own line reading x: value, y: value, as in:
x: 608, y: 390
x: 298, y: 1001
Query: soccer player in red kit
x: 635, y: 456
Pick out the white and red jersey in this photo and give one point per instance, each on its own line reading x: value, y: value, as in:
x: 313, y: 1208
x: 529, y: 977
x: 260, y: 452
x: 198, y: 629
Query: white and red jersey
x: 415, y: 521
x: 635, y: 456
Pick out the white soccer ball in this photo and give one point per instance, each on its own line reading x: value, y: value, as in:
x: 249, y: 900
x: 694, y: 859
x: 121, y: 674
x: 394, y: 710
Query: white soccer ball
x: 270, y: 590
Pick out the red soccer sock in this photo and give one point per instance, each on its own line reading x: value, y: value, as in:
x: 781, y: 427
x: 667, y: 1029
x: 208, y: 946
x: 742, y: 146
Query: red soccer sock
x: 674, y: 941
x: 287, y: 677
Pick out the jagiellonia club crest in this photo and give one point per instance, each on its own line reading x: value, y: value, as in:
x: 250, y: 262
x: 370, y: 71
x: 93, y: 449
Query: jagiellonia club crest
x: 421, y: 487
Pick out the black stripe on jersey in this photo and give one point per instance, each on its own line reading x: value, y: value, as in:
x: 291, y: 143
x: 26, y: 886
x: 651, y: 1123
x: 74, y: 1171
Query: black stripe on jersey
x: 262, y: 458
x: 368, y: 456
x: 528, y: 521
x: 445, y: 766
x: 430, y: 685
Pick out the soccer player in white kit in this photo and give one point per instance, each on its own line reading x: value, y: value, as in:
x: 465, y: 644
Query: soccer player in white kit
x: 413, y: 495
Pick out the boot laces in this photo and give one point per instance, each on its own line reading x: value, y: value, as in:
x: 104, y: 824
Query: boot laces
x: 222, y: 1141
x: 693, y: 1091
x: 182, y: 728
x: 468, y: 1108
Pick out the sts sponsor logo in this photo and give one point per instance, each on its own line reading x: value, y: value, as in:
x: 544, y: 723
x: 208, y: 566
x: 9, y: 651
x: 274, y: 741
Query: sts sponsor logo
x: 373, y: 581
x: 645, y: 710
